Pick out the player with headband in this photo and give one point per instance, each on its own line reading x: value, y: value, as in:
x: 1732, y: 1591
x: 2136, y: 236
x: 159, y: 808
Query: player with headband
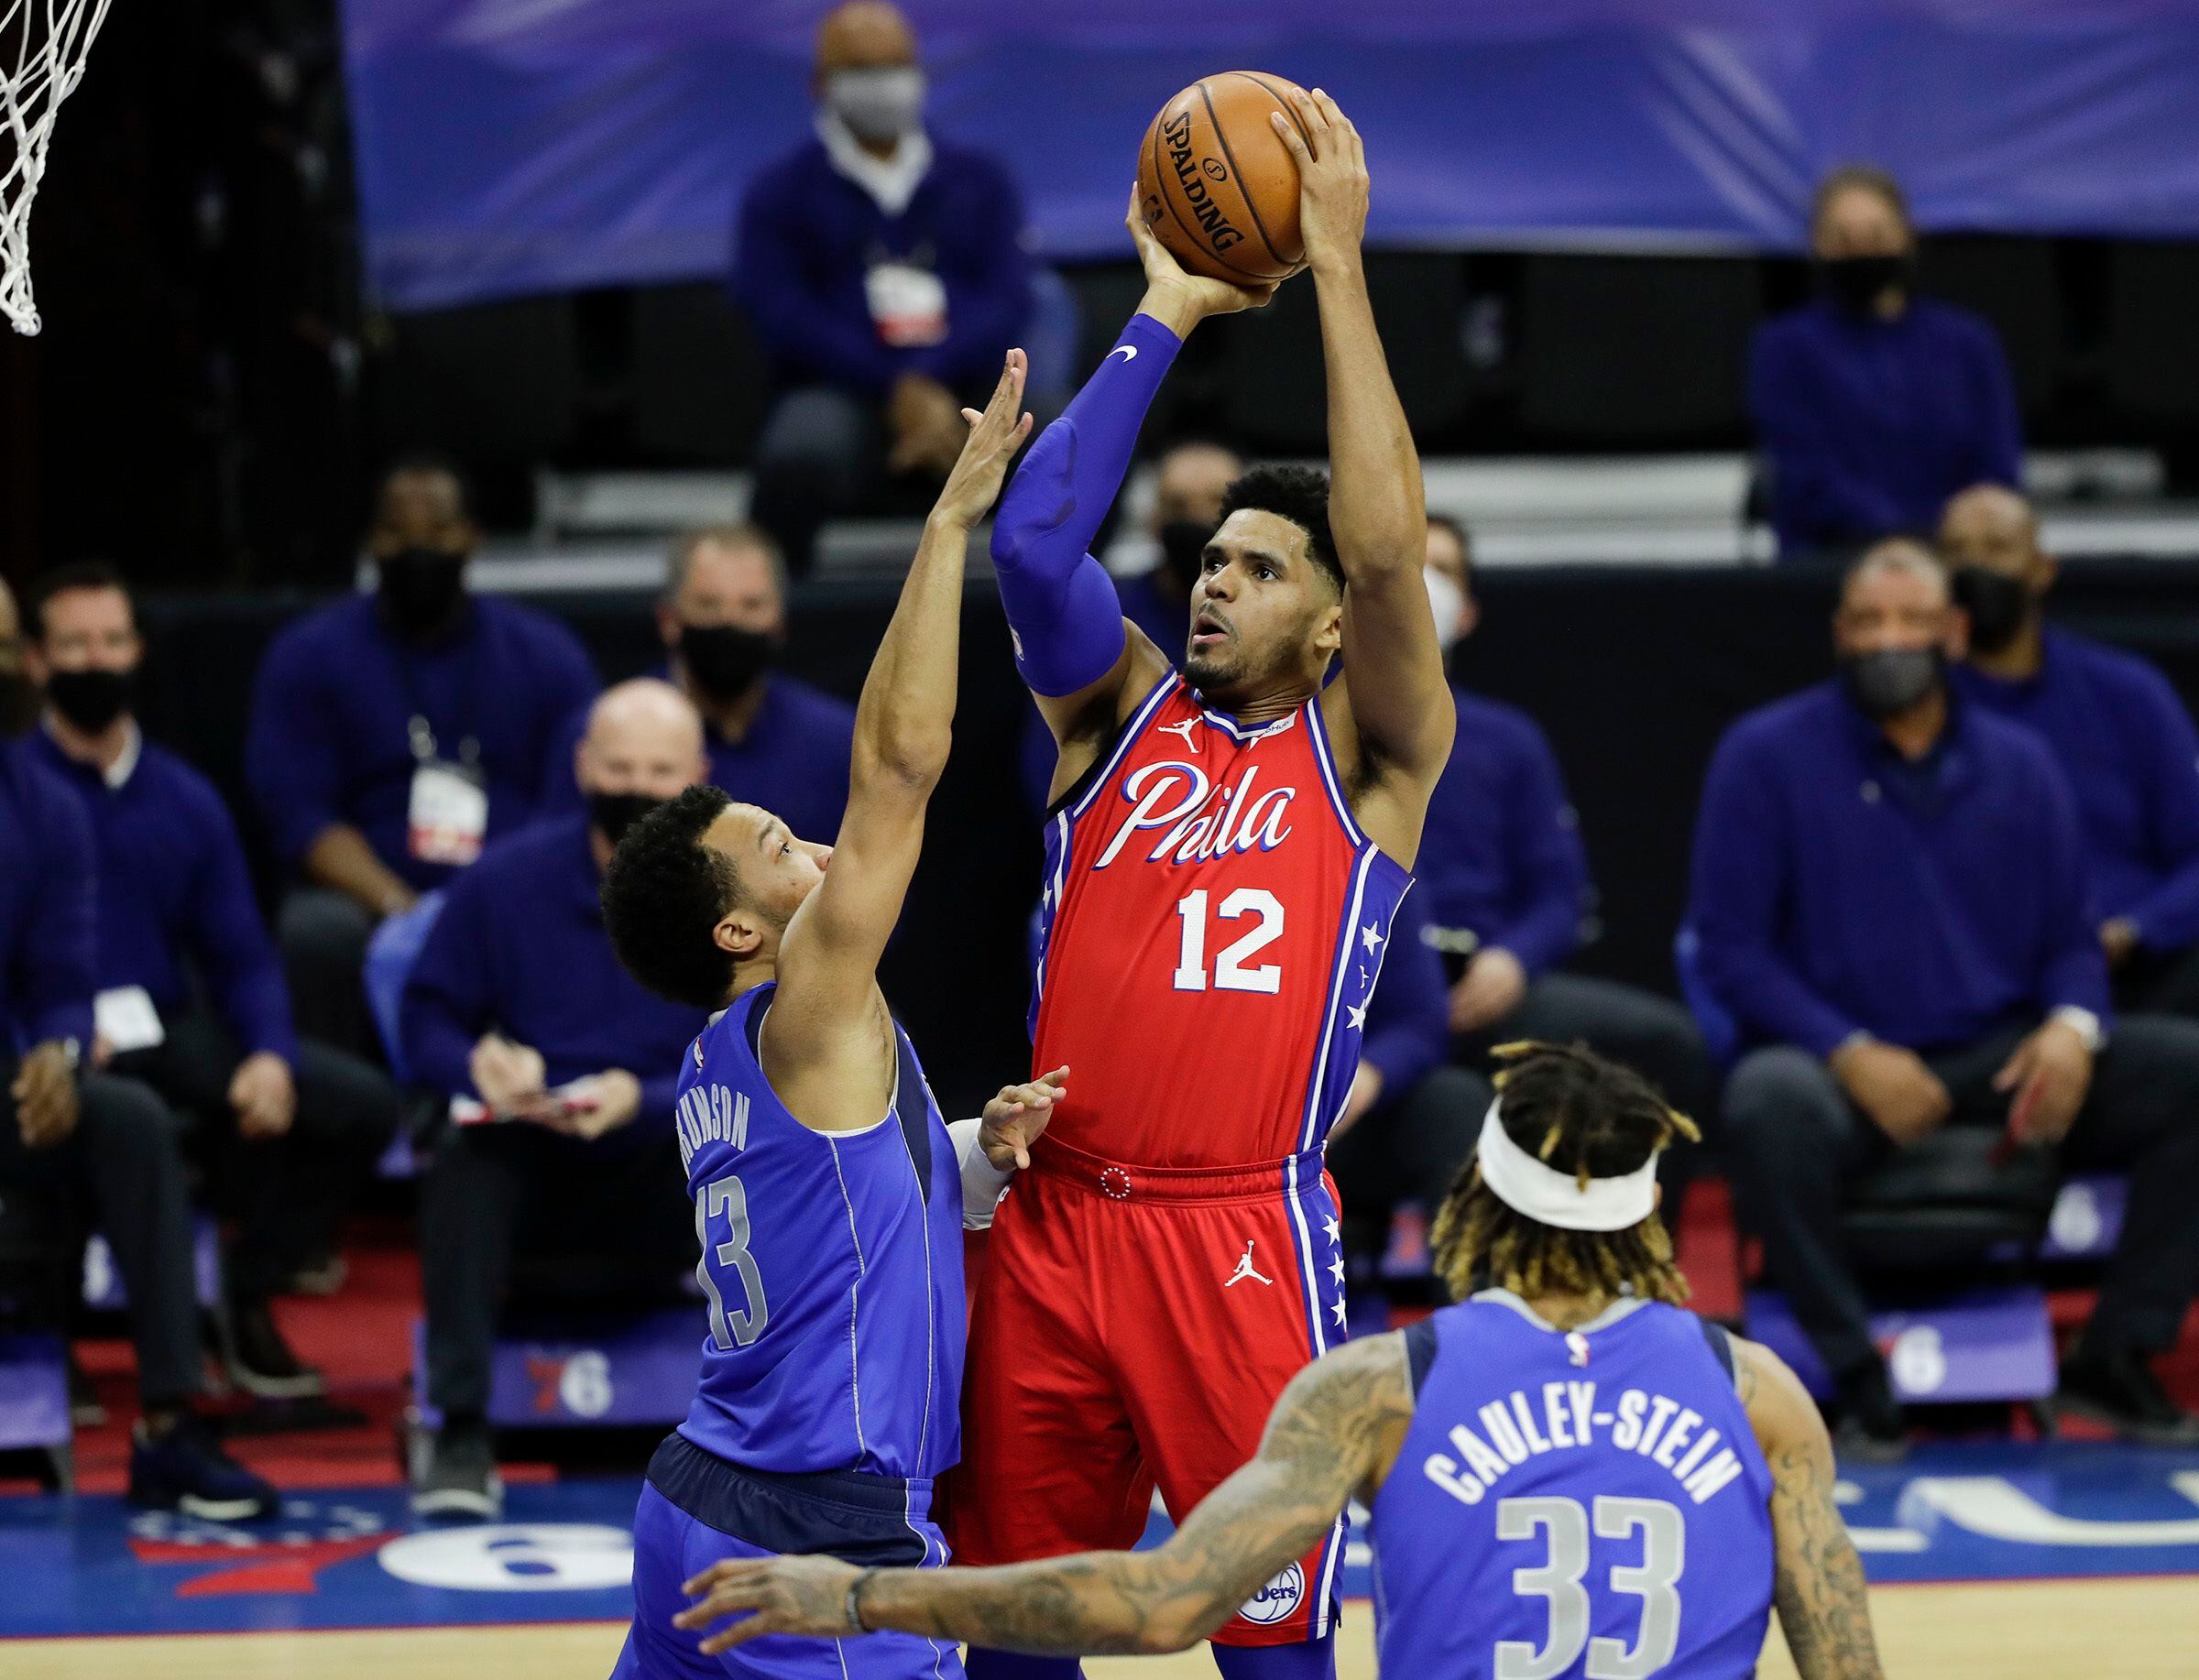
x: 1567, y: 1472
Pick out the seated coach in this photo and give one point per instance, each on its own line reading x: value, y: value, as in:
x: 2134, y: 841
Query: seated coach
x: 190, y: 994
x: 90, y: 1150
x: 393, y: 734
x: 1890, y: 895
x: 885, y: 269
x: 773, y: 740
x: 1507, y: 885
x: 2122, y: 735
x: 561, y: 1070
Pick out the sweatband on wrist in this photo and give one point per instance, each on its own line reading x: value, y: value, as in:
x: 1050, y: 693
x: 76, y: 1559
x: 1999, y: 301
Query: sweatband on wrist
x: 982, y: 1183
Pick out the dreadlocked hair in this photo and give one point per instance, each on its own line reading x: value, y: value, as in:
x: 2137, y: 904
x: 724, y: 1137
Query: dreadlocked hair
x: 1573, y: 1111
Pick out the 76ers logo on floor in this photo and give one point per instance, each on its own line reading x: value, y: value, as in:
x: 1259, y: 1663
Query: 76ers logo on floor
x: 1278, y: 1599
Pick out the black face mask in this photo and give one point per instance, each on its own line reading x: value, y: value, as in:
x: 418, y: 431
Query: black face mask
x: 1184, y: 550
x: 611, y: 815
x: 1888, y: 682
x: 1855, y: 282
x: 91, y: 700
x: 723, y: 660
x: 1999, y: 605
x: 421, y: 587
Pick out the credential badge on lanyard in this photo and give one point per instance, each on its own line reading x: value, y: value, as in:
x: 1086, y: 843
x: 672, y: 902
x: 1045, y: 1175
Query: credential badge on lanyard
x: 448, y: 815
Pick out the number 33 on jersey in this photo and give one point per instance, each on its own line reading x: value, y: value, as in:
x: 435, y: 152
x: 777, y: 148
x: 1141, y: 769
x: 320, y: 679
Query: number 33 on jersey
x: 1213, y: 923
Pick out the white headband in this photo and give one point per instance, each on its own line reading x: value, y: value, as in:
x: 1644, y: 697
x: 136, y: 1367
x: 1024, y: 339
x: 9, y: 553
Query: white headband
x: 1541, y: 1192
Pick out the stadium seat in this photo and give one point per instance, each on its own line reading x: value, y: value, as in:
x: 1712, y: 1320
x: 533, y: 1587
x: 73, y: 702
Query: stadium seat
x: 597, y: 1369
x: 392, y: 950
x: 1616, y: 351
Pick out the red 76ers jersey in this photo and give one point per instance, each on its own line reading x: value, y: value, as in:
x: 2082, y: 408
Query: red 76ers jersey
x: 1212, y: 924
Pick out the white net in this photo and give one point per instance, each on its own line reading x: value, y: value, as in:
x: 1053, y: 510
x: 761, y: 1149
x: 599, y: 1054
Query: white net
x: 42, y: 48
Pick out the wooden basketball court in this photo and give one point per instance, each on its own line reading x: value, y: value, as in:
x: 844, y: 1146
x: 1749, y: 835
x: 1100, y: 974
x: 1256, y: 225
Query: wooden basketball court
x: 2137, y: 1629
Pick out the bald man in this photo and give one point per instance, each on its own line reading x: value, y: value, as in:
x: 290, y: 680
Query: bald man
x: 2122, y: 733
x: 559, y: 1071
x: 885, y: 270
x: 1891, y: 905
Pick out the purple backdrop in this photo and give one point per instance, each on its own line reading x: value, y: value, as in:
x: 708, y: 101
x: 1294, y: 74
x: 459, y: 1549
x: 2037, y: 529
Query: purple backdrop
x: 512, y: 146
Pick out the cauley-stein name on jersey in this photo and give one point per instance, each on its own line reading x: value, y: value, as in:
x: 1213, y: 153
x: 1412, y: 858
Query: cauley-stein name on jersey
x: 1517, y: 1428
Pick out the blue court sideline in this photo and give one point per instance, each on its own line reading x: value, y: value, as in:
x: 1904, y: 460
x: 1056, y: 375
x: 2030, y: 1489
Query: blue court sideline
x: 352, y: 1559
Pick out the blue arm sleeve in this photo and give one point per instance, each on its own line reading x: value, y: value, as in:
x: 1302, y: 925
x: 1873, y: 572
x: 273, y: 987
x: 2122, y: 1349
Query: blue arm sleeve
x: 1742, y: 843
x: 1407, y: 1018
x: 1061, y: 605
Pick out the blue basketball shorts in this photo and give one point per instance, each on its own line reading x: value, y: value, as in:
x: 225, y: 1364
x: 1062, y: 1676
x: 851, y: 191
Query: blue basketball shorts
x: 696, y: 1509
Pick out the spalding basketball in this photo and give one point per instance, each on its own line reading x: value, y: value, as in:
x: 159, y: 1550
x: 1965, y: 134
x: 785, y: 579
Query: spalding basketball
x: 1217, y: 185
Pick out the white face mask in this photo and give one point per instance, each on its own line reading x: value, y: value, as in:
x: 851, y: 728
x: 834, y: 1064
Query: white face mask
x: 877, y: 105
x: 1447, y: 601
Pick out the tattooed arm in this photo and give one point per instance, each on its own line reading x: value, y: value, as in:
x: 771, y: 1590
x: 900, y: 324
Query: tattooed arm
x: 1818, y: 1584
x: 1334, y: 1432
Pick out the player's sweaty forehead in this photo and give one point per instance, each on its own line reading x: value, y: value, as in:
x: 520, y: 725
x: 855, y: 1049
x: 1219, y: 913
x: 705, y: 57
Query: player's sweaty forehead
x: 1254, y: 533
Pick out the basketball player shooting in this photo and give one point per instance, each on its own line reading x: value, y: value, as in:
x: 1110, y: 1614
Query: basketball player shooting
x: 829, y: 1197
x: 1223, y: 858
x: 1566, y: 1464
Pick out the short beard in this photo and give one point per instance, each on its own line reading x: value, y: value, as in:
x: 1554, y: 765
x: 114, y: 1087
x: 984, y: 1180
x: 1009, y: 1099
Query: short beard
x: 1210, y: 675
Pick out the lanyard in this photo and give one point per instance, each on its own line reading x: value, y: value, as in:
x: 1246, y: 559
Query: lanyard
x: 419, y: 732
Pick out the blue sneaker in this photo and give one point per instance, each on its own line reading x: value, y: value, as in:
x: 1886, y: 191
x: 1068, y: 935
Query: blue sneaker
x: 186, y: 1470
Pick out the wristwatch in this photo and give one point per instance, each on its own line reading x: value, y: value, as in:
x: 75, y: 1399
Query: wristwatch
x: 2084, y: 1024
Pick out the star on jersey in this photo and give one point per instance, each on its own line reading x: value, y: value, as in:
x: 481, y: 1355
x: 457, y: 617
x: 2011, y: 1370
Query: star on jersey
x: 1355, y: 1017
x: 1371, y: 936
x: 1336, y: 1307
x: 1335, y: 1269
x: 1333, y: 1231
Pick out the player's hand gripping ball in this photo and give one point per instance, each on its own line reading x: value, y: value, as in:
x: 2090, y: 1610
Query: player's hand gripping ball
x: 1216, y: 183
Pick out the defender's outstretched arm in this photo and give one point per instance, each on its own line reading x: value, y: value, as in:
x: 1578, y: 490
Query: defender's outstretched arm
x: 1818, y: 1585
x: 904, y: 725
x: 1334, y: 1432
x: 1073, y: 648
x: 1378, y: 508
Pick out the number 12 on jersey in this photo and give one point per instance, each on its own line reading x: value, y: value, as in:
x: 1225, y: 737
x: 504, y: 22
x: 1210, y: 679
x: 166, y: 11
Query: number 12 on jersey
x: 1231, y: 974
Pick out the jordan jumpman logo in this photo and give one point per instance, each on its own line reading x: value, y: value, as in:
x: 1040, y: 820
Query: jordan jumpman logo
x: 1184, y: 729
x: 1245, y: 1268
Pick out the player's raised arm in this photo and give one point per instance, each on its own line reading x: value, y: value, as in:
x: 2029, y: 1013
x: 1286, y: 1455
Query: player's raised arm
x: 1334, y: 1432
x: 1073, y: 648
x: 1818, y: 1583
x: 828, y: 997
x: 1377, y: 508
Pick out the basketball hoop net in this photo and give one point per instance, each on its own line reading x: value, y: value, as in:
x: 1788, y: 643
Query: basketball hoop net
x: 42, y: 48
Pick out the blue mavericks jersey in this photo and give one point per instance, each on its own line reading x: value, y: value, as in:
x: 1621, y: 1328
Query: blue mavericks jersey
x: 1590, y: 1502
x: 833, y: 1262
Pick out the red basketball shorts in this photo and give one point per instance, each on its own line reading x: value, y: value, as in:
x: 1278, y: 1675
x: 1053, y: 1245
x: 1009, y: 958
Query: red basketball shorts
x: 1132, y: 1328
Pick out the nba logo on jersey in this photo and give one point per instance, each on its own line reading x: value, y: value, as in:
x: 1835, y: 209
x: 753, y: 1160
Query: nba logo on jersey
x: 1275, y: 1600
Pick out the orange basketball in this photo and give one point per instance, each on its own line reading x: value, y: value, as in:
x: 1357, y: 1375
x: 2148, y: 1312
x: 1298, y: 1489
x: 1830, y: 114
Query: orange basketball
x: 1217, y: 185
